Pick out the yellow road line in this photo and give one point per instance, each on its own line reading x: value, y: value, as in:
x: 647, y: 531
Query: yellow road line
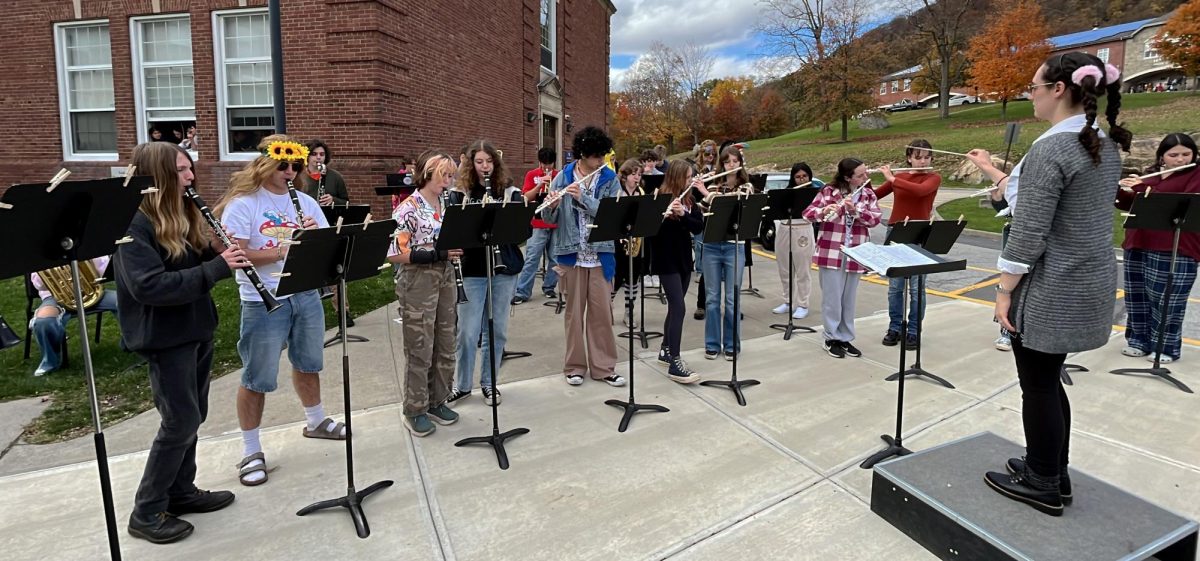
x: 976, y: 286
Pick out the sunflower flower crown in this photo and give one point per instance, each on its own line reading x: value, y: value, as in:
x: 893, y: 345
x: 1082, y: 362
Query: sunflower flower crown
x: 286, y: 151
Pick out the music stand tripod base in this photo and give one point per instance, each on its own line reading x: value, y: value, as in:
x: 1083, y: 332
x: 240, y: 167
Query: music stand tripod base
x: 352, y: 502
x: 789, y: 328
x: 919, y: 372
x: 350, y: 338
x: 1063, y: 373
x: 1158, y: 372
x: 893, y: 450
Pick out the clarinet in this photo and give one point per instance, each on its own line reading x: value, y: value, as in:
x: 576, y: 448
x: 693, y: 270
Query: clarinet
x: 296, y: 203
x: 497, y: 262
x: 320, y: 182
x: 454, y: 263
x: 251, y: 273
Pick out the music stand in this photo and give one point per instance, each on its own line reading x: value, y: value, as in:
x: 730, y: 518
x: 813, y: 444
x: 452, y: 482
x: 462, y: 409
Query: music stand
x: 323, y: 257
x: 729, y: 219
x: 641, y: 334
x: 76, y: 221
x: 349, y: 214
x: 1175, y: 212
x: 901, y: 269
x: 786, y: 205
x: 628, y: 217
x: 936, y: 237
x: 487, y: 226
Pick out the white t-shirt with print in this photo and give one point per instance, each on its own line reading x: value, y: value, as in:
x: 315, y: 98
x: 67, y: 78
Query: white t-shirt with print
x: 265, y: 219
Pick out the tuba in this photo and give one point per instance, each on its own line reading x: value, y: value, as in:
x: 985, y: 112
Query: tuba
x: 58, y: 282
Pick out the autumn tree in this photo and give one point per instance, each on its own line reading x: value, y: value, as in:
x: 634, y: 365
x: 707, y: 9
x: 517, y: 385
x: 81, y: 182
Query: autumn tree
x: 769, y: 116
x: 1179, y: 40
x: 729, y: 116
x: 1006, y: 56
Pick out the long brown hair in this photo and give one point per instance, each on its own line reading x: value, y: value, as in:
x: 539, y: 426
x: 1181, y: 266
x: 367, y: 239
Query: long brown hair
x: 256, y: 173
x: 178, y: 224
x: 676, y: 180
x: 469, y: 180
x: 741, y: 177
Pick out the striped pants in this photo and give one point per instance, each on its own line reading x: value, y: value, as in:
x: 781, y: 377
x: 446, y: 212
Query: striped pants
x: 1145, y: 284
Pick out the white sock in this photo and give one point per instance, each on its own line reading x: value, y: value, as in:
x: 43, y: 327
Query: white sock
x: 251, y: 445
x: 314, y: 415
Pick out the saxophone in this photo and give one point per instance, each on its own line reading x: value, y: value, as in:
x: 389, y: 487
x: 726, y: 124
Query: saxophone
x: 58, y: 282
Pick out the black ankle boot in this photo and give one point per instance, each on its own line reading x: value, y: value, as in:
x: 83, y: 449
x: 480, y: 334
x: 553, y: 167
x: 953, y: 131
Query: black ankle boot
x: 160, y: 528
x: 1038, y: 491
x: 1017, y: 465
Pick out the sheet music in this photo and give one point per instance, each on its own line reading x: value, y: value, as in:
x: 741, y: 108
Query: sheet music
x: 880, y: 258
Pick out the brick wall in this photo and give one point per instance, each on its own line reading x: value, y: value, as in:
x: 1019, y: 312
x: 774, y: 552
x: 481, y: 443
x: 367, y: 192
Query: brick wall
x: 378, y: 80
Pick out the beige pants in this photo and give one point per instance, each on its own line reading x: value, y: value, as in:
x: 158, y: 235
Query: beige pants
x: 800, y: 237
x: 591, y: 345
x: 427, y: 300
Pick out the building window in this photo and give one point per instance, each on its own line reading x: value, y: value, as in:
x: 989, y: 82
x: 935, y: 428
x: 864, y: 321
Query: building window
x: 1150, y: 52
x: 883, y: 88
x: 895, y: 86
x: 163, y: 80
x: 1102, y: 54
x: 907, y: 84
x: 85, y: 90
x: 547, y: 21
x: 245, y: 110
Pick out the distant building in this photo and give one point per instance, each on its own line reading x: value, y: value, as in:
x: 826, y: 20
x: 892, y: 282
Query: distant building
x: 1129, y: 47
x: 898, y: 86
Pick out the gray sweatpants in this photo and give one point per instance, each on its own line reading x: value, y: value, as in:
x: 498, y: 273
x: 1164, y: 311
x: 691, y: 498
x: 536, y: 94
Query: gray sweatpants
x: 838, y: 289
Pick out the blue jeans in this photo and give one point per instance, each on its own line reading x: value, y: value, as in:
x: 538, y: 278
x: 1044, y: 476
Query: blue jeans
x: 537, y: 244
x: 916, y: 312
x: 51, y: 332
x: 719, y: 273
x: 300, y: 322
x: 472, y: 326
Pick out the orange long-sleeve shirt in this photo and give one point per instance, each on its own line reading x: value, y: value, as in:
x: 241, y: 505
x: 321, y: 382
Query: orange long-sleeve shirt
x: 914, y: 195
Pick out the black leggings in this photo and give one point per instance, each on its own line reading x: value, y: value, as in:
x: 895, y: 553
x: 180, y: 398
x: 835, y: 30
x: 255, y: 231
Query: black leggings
x: 675, y: 286
x: 1045, y: 409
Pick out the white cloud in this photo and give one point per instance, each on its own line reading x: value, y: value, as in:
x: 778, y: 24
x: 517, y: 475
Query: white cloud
x: 717, y: 25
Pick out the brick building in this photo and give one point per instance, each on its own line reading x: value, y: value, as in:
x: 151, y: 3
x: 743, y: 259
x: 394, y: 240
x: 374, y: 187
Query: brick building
x: 378, y: 80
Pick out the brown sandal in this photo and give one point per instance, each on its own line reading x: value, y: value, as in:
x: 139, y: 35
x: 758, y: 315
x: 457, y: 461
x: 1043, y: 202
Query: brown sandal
x: 244, y: 470
x: 323, y: 431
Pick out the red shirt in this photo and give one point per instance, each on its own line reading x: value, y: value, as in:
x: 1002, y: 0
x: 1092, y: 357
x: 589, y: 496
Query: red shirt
x: 914, y: 195
x: 1186, y: 181
x: 530, y: 183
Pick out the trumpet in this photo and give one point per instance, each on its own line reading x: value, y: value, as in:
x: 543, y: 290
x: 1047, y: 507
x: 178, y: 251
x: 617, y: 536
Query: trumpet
x: 251, y: 273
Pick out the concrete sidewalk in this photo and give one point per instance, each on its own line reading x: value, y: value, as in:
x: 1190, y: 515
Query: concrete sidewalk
x: 777, y: 479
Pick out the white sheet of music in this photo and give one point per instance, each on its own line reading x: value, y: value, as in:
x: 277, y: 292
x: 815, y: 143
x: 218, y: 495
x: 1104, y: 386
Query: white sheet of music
x: 880, y: 258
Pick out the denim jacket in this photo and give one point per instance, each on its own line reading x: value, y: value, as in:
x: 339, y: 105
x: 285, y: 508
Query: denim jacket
x: 565, y: 240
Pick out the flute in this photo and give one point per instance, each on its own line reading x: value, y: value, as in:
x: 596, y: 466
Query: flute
x: 938, y: 151
x: 251, y: 273
x: 832, y: 214
x: 877, y: 170
x: 555, y: 196
x: 1164, y: 172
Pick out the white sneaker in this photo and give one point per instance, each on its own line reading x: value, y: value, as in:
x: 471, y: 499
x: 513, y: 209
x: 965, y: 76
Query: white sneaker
x: 781, y: 309
x: 1164, y: 359
x: 800, y: 313
x: 654, y: 282
x: 1003, y: 343
x: 1130, y: 351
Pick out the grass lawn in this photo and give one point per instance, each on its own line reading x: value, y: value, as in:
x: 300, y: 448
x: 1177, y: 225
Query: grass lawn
x: 121, y: 378
x: 984, y: 218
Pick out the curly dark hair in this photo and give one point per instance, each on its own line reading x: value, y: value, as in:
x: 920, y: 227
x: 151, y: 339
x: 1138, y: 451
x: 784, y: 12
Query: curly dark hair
x: 318, y: 143
x: 591, y: 142
x: 1059, y: 68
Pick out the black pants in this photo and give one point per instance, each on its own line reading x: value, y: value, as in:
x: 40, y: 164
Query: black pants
x: 700, y: 298
x: 179, y: 381
x: 675, y: 286
x: 1045, y: 409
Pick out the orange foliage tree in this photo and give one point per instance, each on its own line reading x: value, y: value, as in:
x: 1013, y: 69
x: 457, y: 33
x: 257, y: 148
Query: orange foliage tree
x: 1007, y: 53
x: 1179, y: 40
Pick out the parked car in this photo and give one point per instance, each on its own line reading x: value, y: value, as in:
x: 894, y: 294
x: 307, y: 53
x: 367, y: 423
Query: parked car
x: 956, y: 100
x: 766, y: 230
x: 902, y: 105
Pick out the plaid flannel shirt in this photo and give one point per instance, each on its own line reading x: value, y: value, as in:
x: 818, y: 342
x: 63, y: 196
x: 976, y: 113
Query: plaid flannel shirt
x: 833, y: 233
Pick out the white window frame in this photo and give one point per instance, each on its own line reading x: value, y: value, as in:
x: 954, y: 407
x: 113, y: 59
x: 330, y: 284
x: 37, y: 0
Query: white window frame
x: 895, y: 86
x: 1102, y: 54
x: 135, y: 50
x: 553, y: 23
x: 64, y: 112
x: 219, y: 81
x: 1150, y: 51
x: 883, y: 88
x: 908, y: 84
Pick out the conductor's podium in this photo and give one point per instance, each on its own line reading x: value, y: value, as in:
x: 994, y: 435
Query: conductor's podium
x: 939, y: 499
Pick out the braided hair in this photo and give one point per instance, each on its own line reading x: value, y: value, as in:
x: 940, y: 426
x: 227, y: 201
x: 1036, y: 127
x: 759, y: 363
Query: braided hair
x: 1075, y: 70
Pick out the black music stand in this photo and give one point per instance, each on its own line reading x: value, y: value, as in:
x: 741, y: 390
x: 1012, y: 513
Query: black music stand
x: 906, y: 268
x: 487, y: 226
x: 786, y: 205
x: 628, y: 217
x: 1175, y: 212
x: 76, y: 221
x: 731, y: 217
x: 641, y: 334
x: 349, y: 214
x: 323, y: 257
x: 936, y: 237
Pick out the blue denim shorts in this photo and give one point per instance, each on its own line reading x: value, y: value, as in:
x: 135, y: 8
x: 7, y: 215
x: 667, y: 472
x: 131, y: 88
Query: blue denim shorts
x: 299, y: 321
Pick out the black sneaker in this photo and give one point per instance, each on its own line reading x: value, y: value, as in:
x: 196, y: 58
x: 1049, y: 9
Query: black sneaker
x: 834, y: 348
x: 664, y: 355
x: 851, y: 350
x: 349, y: 321
x: 199, y: 501
x: 891, y: 338
x: 518, y: 300
x: 490, y: 394
x: 1017, y: 465
x: 911, y: 342
x: 711, y: 355
x: 1037, y: 491
x: 456, y: 395
x: 699, y: 314
x: 550, y: 293
x: 729, y: 356
x: 679, y: 372
x: 161, y: 528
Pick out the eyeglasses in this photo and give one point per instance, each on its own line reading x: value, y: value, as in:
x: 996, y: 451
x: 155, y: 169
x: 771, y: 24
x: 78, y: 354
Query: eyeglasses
x: 1032, y: 87
x: 296, y: 166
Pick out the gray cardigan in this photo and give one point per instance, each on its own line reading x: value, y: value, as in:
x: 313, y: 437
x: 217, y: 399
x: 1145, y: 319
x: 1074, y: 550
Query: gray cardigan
x: 1062, y: 229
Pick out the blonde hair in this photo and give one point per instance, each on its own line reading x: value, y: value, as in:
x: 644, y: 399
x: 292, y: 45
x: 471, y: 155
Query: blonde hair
x: 177, y: 223
x: 432, y: 162
x: 254, y: 175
